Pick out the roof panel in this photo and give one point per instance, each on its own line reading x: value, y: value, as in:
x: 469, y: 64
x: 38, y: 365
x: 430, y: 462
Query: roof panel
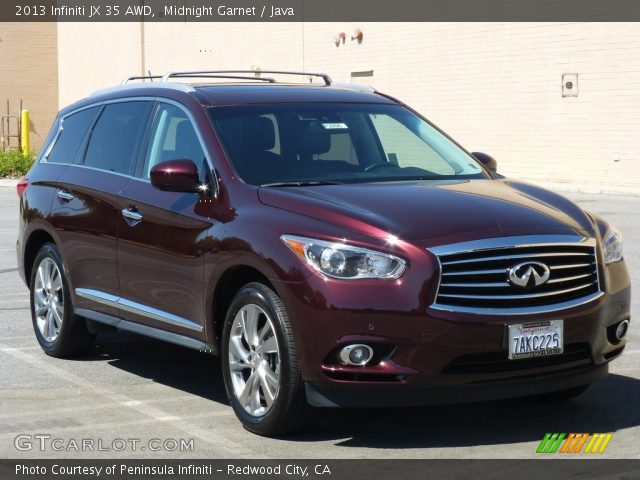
x: 279, y: 93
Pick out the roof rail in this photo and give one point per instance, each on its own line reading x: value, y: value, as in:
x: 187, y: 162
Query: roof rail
x: 213, y: 75
x: 140, y: 77
x: 232, y: 74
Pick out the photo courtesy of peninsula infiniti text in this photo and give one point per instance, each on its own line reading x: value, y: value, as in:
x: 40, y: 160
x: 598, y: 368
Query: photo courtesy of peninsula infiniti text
x: 329, y: 243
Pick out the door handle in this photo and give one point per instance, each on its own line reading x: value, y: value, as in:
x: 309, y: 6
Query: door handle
x: 130, y: 214
x: 65, y: 195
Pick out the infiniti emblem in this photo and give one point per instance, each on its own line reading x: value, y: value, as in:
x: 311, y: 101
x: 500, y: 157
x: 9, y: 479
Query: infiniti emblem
x: 521, y: 274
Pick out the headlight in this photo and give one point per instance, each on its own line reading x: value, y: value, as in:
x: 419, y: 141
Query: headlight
x: 343, y: 261
x: 613, y: 246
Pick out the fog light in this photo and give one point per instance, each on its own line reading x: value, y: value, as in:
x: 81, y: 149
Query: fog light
x: 357, y: 354
x: 621, y: 330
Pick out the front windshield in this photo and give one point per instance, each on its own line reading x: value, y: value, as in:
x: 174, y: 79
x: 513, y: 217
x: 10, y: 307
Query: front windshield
x: 295, y: 143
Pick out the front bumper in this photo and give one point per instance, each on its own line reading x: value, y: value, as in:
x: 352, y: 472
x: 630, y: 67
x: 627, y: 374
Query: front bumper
x: 436, y: 356
x: 359, y: 396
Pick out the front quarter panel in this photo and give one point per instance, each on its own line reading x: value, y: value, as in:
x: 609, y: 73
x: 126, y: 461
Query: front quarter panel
x: 373, y: 302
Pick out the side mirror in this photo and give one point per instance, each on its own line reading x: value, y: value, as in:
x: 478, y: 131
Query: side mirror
x: 176, y: 176
x: 487, y: 160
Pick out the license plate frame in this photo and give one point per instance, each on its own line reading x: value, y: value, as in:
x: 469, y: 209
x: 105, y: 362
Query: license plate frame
x: 535, y: 339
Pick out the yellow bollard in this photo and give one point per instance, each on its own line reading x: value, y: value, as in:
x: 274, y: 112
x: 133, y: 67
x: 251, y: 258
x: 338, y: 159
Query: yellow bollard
x: 24, y: 132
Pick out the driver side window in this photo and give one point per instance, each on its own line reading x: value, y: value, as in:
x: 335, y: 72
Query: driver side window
x: 173, y: 137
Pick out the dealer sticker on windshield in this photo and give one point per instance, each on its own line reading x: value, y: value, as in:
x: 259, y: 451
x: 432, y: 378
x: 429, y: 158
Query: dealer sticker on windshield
x: 335, y: 126
x: 536, y: 339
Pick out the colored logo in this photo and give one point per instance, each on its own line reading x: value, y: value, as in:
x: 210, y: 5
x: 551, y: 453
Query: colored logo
x: 574, y: 443
x: 521, y: 274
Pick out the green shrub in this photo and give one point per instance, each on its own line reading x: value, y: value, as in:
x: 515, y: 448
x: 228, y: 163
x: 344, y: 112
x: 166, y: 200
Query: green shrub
x: 15, y: 164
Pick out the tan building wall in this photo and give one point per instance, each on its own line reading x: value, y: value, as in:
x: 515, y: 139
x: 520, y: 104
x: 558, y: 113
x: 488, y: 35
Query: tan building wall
x: 495, y: 87
x: 96, y: 55
x: 29, y: 72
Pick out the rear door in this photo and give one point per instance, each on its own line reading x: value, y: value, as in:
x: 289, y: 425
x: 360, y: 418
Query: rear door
x: 162, y: 234
x: 86, y: 208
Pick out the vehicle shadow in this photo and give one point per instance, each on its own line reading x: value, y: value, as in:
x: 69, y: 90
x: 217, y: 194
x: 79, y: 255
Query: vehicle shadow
x: 604, y: 407
x: 609, y: 405
x: 188, y: 370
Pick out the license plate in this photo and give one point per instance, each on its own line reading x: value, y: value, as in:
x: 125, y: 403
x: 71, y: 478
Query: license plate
x: 535, y: 339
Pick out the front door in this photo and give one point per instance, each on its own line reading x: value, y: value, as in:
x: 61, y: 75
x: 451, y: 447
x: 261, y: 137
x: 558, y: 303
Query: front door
x: 160, y: 255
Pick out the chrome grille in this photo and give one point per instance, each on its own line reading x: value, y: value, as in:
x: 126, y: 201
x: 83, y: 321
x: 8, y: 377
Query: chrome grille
x: 475, y: 278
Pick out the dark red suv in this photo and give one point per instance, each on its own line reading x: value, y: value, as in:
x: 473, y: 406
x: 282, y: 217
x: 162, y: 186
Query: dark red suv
x: 332, y: 245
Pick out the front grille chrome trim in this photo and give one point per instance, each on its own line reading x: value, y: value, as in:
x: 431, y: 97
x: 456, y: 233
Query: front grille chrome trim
x: 518, y: 311
x: 566, y: 267
x: 568, y: 279
x: 510, y: 242
x: 476, y: 272
x: 476, y: 285
x: 492, y: 248
x: 523, y: 255
x: 515, y: 297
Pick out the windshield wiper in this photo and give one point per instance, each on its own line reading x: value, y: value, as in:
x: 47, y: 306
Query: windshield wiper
x: 302, y: 183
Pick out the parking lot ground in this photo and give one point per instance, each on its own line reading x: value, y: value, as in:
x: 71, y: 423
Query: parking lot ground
x: 132, y: 388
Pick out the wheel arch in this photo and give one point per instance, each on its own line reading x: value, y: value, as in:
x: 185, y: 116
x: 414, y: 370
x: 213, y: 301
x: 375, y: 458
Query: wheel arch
x: 231, y: 280
x: 34, y: 243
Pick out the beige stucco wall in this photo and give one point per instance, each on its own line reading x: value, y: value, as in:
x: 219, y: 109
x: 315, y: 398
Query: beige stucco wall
x: 28, y: 72
x: 495, y: 87
x: 94, y: 56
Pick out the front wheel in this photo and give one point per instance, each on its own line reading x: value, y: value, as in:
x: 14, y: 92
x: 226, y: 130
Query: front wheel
x: 260, y: 363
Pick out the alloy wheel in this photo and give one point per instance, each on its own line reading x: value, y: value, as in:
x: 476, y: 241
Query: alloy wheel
x: 48, y: 299
x: 254, y: 360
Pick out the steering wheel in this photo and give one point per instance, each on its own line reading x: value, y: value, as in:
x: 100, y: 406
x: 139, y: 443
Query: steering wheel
x: 375, y: 166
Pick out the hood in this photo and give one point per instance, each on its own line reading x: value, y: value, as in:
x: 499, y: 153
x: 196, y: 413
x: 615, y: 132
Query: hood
x: 435, y: 211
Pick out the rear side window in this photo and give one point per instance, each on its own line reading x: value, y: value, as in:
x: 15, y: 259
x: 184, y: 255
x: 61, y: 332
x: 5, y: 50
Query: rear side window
x: 74, y: 129
x: 115, y: 140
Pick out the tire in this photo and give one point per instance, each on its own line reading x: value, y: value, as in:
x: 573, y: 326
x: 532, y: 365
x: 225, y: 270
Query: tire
x: 562, y: 395
x: 246, y: 356
x: 60, y: 333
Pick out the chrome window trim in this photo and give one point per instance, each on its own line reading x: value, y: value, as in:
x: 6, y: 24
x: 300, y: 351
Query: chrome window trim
x: 521, y: 241
x: 216, y: 182
x: 96, y: 169
x: 45, y: 157
x: 137, y: 308
x: 60, y: 120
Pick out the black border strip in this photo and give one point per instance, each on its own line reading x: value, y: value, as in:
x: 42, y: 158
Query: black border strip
x: 534, y: 469
x: 321, y: 10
